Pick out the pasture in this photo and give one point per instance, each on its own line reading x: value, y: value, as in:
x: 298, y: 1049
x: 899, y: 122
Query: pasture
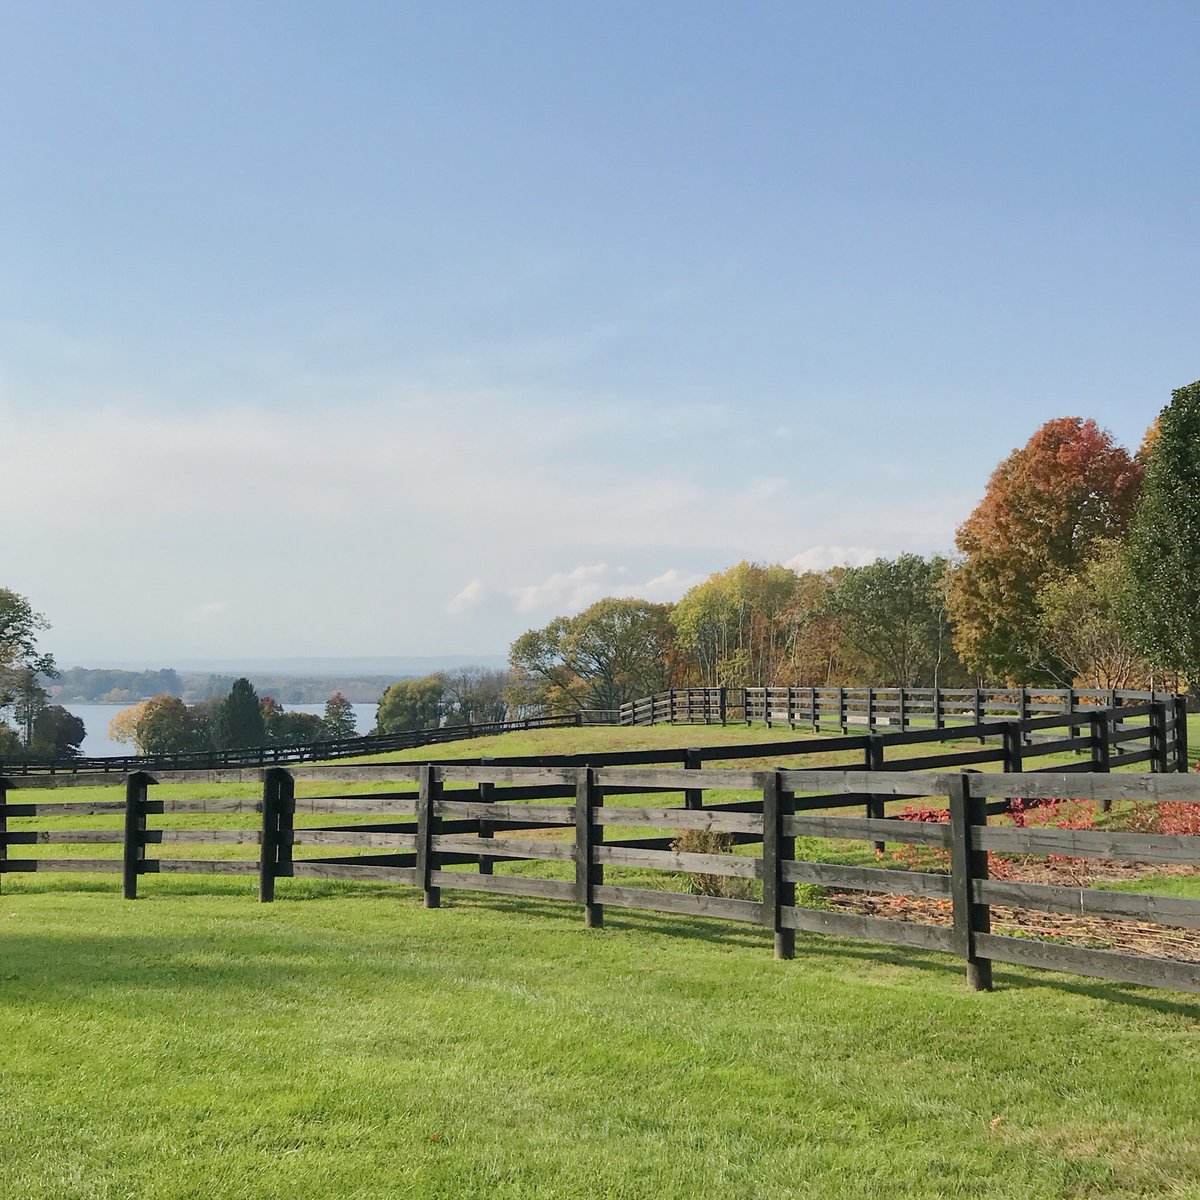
x: 346, y: 1042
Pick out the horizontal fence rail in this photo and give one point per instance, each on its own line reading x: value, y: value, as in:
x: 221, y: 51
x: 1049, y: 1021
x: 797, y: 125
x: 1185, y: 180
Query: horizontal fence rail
x: 871, y: 708
x: 613, y: 833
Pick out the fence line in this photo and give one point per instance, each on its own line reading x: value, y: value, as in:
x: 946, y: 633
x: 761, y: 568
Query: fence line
x: 457, y: 825
x: 261, y: 756
x: 869, y: 707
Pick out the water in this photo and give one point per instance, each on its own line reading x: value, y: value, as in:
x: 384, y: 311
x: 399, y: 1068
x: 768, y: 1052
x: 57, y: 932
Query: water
x: 97, y: 743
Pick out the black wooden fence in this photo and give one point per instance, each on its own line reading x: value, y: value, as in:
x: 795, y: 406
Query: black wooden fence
x: 870, y: 707
x: 261, y: 756
x: 452, y: 827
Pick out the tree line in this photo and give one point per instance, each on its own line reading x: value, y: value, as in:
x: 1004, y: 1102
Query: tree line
x: 1079, y: 566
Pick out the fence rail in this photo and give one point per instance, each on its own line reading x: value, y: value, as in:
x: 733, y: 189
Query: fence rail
x: 455, y: 825
x: 872, y: 708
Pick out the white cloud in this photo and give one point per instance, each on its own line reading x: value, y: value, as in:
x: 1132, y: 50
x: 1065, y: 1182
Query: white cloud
x: 468, y: 598
x: 570, y: 591
x: 820, y: 558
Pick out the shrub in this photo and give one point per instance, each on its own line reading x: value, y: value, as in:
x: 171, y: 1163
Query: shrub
x: 704, y: 841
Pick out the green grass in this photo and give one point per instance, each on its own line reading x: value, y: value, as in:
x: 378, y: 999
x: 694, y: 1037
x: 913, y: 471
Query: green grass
x: 346, y: 1043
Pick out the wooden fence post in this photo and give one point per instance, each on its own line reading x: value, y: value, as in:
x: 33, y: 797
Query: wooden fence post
x: 134, y: 849
x: 487, y: 828
x: 816, y: 711
x: 268, y: 842
x: 979, y: 711
x: 874, y: 762
x: 1100, y: 724
x: 870, y: 710
x: 1013, y: 735
x: 1181, y: 733
x: 939, y: 709
x: 587, y: 833
x: 842, y: 711
x: 1159, y: 743
x: 903, y: 708
x: 429, y: 791
x: 5, y: 784
x: 968, y: 865
x: 692, y: 797
x: 285, y: 806
x: 777, y: 849
x: 1024, y: 710
x: 723, y: 700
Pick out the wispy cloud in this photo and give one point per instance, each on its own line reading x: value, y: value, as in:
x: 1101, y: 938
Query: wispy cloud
x: 468, y: 598
x: 820, y: 558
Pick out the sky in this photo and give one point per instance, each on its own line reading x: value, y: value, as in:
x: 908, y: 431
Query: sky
x: 389, y: 329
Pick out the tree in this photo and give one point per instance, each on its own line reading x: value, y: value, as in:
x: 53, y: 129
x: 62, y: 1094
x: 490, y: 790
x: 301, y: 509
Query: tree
x: 411, y: 704
x: 294, y: 728
x: 475, y: 695
x: 892, y: 614
x: 339, y: 717
x: 616, y: 650
x: 28, y: 698
x: 1046, y: 508
x: 165, y: 726
x: 1081, y: 624
x: 22, y: 666
x: 122, y: 728
x: 58, y: 733
x: 734, y: 625
x: 1164, y: 542
x: 240, y: 720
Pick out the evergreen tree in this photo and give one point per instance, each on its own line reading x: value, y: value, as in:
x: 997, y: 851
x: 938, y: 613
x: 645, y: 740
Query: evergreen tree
x: 339, y: 717
x: 240, y: 718
x: 1164, y: 542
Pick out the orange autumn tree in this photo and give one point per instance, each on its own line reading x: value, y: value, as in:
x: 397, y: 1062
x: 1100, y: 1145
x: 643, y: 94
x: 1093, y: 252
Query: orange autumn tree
x: 1047, y: 507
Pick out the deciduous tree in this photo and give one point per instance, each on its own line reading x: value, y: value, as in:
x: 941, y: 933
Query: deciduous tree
x: 892, y: 614
x: 57, y: 733
x: 411, y: 704
x: 613, y: 651
x: 1046, y: 507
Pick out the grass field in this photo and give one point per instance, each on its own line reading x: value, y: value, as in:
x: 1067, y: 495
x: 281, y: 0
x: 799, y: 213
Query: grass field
x: 345, y: 1042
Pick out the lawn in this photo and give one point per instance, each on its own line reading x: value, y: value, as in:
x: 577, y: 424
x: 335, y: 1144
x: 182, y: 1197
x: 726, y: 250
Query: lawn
x: 346, y: 1043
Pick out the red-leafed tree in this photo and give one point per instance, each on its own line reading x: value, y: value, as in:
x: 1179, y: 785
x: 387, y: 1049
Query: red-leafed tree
x: 1047, y: 506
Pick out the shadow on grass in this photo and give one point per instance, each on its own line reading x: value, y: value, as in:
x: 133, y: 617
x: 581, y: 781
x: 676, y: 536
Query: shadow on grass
x: 821, y: 947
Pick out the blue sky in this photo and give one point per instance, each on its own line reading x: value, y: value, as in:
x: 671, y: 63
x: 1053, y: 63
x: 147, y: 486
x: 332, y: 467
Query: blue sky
x: 387, y: 329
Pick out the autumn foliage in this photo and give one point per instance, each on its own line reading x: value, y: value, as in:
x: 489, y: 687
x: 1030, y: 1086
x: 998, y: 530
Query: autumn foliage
x: 1046, y: 508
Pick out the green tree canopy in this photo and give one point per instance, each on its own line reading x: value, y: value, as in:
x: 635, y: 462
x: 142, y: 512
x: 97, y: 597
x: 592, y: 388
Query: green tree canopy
x: 1163, y: 553
x: 411, y: 704
x: 615, y: 650
x: 892, y: 613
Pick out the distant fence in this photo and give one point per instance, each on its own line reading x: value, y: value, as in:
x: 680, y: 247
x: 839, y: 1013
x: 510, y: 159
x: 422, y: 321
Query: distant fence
x: 453, y: 830
x: 261, y: 756
x: 868, y: 707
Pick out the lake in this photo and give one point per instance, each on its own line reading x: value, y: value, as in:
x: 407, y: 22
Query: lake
x: 96, y: 717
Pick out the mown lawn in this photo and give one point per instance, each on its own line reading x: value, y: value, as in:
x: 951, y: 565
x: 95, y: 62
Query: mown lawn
x: 346, y: 1043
